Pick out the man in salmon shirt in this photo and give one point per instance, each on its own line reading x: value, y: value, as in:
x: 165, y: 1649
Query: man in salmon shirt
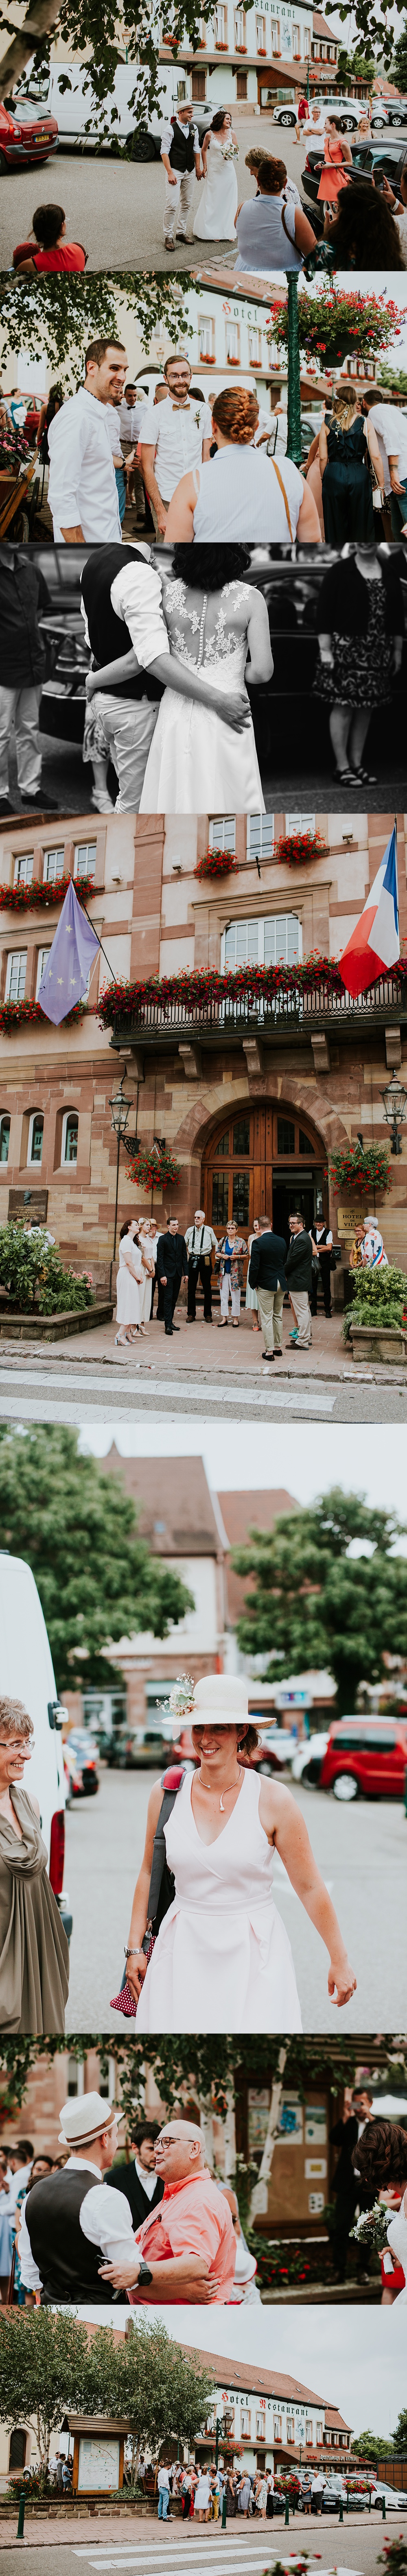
x: 185, y: 2248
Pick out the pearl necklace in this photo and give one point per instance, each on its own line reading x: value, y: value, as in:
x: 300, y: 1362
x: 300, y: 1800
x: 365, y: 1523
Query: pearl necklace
x: 205, y: 1784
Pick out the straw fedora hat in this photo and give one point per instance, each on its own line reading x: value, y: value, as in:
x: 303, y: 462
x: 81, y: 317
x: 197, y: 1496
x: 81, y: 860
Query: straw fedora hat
x: 86, y: 2119
x: 223, y: 1699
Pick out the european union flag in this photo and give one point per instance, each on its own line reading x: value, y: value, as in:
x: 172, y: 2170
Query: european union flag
x: 66, y: 972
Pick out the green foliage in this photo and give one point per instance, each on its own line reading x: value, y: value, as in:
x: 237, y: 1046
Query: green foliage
x: 381, y: 1298
x: 45, y: 2366
x: 77, y: 1529
x: 34, y: 1275
x: 356, y: 66
x: 84, y: 29
x: 369, y: 29
x: 372, y: 2446
x: 313, y: 1605
x: 400, y: 2435
x: 212, y: 2070
x: 48, y: 2368
x: 390, y: 376
x: 60, y: 315
x: 399, y: 63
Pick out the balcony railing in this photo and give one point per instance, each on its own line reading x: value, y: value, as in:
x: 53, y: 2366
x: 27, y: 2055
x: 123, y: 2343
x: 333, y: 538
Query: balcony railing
x: 302, y: 1010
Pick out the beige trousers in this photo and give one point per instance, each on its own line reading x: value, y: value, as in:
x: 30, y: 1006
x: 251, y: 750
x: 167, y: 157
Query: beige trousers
x: 301, y: 1305
x: 270, y: 1305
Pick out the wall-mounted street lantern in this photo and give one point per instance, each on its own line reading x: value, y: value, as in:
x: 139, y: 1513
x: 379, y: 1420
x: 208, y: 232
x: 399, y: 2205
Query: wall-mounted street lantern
x: 395, y: 1103
x: 119, y: 1107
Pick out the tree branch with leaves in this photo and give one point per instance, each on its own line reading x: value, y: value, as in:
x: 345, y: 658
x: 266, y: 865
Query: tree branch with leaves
x: 58, y: 317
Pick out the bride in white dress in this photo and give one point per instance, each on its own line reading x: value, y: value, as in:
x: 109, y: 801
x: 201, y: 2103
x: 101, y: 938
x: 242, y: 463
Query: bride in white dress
x: 380, y: 2163
x: 217, y: 208
x: 214, y: 619
x: 222, y: 1959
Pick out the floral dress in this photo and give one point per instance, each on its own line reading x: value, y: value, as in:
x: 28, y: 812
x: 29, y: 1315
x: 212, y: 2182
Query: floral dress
x: 363, y: 665
x: 191, y: 744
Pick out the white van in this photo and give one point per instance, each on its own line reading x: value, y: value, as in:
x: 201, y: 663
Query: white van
x: 74, y: 106
x: 27, y: 1673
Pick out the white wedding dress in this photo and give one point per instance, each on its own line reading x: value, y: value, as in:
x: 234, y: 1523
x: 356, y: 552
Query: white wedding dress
x: 217, y: 202
x: 397, y: 2238
x: 222, y: 1958
x: 190, y: 745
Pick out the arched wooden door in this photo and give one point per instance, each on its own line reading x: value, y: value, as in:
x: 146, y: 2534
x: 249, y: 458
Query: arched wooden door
x: 261, y: 1160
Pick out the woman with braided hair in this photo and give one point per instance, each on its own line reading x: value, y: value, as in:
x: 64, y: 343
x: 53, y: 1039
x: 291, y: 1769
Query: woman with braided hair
x: 241, y: 493
x: 380, y: 2164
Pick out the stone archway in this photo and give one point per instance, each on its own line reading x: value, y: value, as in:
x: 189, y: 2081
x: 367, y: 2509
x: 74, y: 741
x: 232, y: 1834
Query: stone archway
x: 264, y: 1156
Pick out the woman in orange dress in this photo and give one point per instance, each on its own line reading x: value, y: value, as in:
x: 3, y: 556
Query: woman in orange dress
x: 336, y: 152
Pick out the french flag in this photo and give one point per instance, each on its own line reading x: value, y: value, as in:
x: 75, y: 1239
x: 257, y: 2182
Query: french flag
x: 375, y: 942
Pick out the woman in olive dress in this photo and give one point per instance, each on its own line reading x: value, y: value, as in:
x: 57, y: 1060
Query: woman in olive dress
x: 34, y: 1955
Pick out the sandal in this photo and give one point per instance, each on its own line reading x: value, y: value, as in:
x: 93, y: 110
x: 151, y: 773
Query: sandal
x: 346, y: 777
x: 366, y: 777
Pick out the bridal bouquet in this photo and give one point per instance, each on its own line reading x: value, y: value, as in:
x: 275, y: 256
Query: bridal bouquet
x: 230, y: 151
x: 371, y: 2228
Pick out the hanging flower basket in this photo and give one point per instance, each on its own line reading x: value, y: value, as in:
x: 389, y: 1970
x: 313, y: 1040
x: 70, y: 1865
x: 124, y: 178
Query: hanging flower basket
x: 154, y: 1169
x: 295, y: 849
x: 333, y: 326
x: 216, y: 863
x: 360, y: 1168
x: 21, y: 898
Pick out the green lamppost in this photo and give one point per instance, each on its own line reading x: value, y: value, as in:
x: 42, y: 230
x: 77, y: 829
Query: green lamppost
x: 294, y: 448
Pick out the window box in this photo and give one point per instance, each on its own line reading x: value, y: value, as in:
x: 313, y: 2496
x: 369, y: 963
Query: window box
x: 26, y: 898
x: 215, y: 863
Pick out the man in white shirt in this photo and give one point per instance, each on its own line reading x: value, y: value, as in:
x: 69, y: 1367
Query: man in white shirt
x: 321, y: 1239
x: 82, y: 489
x: 175, y: 438
x: 391, y: 431
x: 200, y: 1242
x: 163, y: 2484
x: 181, y: 158
x: 72, y: 2221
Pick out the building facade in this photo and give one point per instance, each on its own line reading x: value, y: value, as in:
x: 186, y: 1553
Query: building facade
x: 249, y: 1102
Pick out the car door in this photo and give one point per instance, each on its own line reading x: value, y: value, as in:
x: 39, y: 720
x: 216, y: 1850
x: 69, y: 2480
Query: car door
x: 379, y: 1763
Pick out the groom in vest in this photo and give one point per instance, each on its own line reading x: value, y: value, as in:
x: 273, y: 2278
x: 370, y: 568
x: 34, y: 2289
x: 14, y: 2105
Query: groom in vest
x: 182, y: 162
x: 121, y: 602
x: 76, y: 2219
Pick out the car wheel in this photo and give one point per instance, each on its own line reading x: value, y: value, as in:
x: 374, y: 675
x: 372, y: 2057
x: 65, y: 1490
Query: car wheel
x: 345, y: 1787
x: 267, y: 1768
x: 142, y: 146
x: 286, y: 120
x: 348, y: 124
x: 3, y: 166
x: 397, y: 120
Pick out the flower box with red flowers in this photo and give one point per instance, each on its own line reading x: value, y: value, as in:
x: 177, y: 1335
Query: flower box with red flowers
x: 232, y: 362
x: 16, y: 1015
x: 154, y: 1169
x: 215, y: 863
x: 26, y: 898
x: 296, y: 849
x: 195, y: 988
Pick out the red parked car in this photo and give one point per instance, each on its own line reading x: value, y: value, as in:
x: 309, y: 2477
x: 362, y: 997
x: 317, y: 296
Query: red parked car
x: 26, y: 134
x: 365, y: 1756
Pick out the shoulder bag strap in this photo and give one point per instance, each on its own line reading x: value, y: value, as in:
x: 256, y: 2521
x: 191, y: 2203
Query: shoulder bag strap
x: 159, y: 1850
x: 276, y: 470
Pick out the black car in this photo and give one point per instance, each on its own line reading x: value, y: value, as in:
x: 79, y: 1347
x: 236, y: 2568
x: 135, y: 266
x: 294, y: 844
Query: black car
x: 367, y: 158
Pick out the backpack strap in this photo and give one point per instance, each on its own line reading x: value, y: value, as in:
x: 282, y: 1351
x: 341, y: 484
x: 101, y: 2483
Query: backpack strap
x: 171, y: 1782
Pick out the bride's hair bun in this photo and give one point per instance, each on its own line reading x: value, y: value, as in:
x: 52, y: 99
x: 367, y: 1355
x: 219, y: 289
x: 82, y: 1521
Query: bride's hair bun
x: 236, y: 413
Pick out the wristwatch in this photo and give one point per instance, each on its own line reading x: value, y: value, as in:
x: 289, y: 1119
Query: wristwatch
x: 144, y: 2275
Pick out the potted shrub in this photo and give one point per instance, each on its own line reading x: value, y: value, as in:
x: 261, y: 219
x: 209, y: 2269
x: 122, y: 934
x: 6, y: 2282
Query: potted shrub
x: 374, y: 1322
x: 33, y: 1276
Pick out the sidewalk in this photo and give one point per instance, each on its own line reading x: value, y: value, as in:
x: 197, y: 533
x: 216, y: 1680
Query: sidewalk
x: 207, y: 1353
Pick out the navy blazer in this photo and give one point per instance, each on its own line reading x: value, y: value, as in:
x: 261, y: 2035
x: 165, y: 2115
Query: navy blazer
x: 267, y: 1261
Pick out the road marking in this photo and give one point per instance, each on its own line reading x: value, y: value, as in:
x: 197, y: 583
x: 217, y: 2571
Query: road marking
x: 310, y: 1400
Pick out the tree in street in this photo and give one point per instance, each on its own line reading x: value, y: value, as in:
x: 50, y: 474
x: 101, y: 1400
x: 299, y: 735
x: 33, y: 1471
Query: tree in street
x: 314, y: 1604
x: 400, y: 2435
x: 44, y: 2369
x: 51, y: 2366
x: 77, y: 1529
x: 60, y: 316
x: 99, y: 38
x: 372, y: 2446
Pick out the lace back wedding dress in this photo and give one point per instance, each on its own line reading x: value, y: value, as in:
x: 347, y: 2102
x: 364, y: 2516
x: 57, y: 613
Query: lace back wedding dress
x: 222, y: 1960
x: 190, y: 744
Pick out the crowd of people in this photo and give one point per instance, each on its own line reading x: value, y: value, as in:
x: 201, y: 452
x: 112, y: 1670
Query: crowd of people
x: 204, y: 2491
x: 150, y: 1260
x: 356, y: 467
